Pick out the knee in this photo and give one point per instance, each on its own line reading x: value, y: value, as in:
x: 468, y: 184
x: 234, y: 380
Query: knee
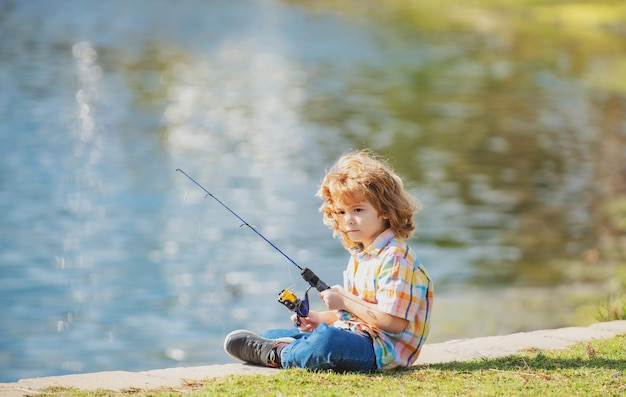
x: 326, y: 335
x: 281, y: 333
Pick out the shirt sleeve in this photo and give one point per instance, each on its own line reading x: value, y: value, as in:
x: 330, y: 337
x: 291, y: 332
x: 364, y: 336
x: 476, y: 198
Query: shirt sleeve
x: 399, y: 288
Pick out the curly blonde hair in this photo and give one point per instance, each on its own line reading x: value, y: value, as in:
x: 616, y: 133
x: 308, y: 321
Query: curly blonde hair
x: 358, y: 176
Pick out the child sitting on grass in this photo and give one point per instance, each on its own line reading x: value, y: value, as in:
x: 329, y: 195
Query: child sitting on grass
x: 380, y: 318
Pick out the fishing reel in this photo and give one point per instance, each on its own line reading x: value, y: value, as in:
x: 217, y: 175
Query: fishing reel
x: 294, y: 304
x: 301, y: 306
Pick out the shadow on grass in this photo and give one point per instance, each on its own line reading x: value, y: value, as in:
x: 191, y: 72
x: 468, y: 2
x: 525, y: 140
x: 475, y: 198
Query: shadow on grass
x: 537, y: 362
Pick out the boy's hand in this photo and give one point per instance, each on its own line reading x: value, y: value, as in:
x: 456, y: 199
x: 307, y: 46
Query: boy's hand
x: 307, y: 324
x: 333, y: 298
x: 314, y: 319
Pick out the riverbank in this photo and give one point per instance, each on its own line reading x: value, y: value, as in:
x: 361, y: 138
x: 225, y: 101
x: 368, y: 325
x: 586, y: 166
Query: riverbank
x: 450, y: 351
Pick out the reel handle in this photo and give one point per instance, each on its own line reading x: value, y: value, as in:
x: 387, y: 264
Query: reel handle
x: 299, y: 306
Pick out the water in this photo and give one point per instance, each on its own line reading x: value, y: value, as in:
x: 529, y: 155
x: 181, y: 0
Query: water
x: 111, y: 260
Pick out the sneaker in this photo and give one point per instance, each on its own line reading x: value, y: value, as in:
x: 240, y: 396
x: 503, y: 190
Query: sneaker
x: 251, y: 348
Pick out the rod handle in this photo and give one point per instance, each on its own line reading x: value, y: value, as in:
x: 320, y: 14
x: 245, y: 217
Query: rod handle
x: 314, y: 281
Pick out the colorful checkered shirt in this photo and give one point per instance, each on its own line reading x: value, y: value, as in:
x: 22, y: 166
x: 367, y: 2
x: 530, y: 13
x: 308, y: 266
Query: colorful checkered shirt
x: 388, y: 274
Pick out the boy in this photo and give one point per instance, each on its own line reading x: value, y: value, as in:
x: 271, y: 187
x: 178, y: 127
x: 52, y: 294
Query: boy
x: 380, y: 318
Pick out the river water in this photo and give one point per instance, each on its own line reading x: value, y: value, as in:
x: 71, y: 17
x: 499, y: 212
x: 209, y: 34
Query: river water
x: 112, y: 260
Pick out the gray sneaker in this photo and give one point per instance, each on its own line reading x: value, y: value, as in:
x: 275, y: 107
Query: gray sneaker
x: 251, y: 348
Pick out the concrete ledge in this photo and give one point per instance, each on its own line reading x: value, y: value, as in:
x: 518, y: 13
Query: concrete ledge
x: 454, y: 350
x: 123, y: 380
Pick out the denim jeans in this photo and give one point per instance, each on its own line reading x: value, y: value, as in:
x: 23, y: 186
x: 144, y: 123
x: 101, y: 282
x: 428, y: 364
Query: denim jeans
x: 325, y: 348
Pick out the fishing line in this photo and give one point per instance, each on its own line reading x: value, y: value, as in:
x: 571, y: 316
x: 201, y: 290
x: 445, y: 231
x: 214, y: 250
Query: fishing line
x: 244, y: 223
x: 285, y: 297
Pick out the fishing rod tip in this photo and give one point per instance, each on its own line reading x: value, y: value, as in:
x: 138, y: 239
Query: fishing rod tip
x: 179, y: 170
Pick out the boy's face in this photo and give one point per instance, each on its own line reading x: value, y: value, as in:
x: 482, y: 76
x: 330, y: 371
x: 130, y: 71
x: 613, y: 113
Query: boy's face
x: 361, y: 221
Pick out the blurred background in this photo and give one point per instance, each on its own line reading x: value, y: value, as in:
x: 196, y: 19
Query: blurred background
x: 504, y: 117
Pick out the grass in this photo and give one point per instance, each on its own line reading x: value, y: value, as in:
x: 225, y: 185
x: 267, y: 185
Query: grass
x: 597, y: 368
x: 614, y: 308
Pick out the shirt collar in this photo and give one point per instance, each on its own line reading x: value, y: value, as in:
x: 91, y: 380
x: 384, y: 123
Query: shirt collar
x: 379, y: 243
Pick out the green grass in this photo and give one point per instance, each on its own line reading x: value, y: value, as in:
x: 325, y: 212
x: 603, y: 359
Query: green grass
x: 597, y: 368
x: 614, y: 308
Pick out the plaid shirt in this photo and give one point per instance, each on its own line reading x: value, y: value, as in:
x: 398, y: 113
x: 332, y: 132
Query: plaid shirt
x: 388, y: 274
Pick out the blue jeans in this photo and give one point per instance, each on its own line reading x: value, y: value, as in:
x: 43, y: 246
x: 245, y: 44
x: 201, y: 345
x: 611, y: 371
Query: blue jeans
x: 326, y: 348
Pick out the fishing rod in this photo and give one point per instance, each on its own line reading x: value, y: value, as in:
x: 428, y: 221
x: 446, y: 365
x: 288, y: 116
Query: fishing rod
x: 286, y: 297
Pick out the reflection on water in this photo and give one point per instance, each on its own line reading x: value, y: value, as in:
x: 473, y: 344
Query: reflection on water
x: 111, y: 260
